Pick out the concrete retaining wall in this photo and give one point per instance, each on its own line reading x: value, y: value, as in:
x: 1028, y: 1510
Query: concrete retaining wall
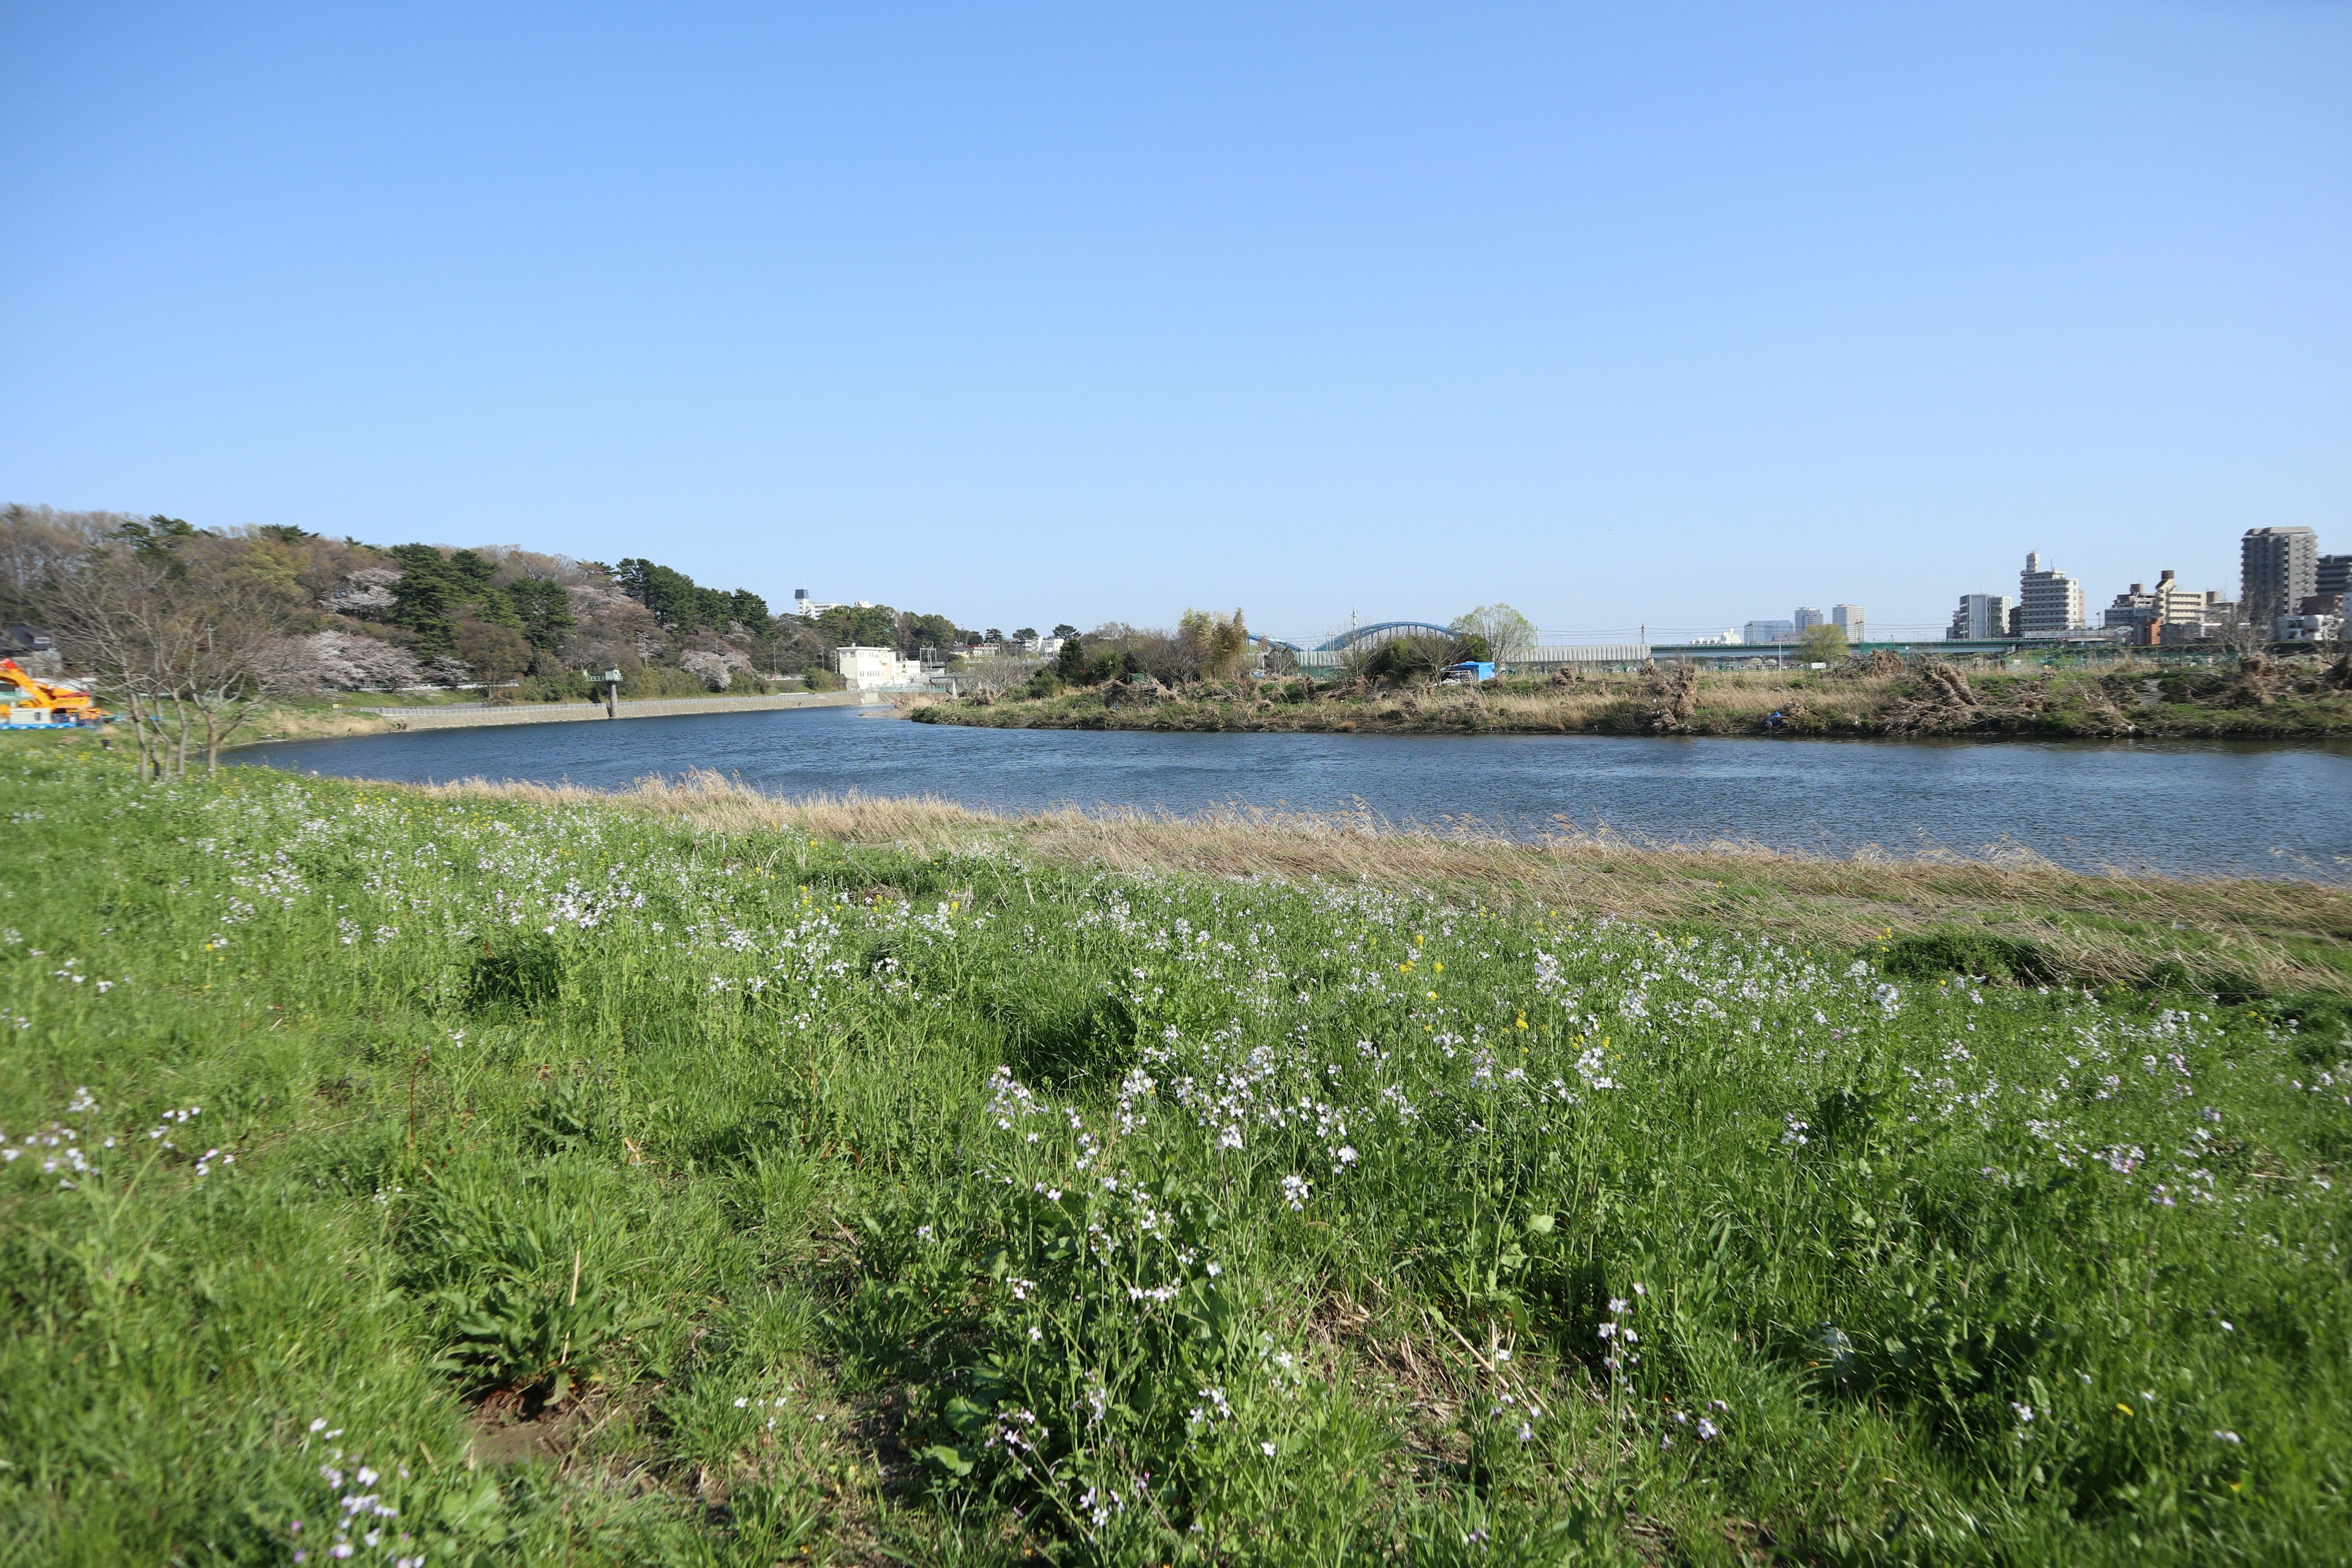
x: 570, y: 712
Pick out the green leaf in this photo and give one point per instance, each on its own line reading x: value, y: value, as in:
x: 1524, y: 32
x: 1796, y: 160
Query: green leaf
x: 954, y: 1461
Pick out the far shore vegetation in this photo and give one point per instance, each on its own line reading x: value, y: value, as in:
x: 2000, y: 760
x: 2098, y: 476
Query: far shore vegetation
x: 1407, y: 685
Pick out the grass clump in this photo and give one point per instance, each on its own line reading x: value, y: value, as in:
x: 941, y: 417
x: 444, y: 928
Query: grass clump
x: 535, y: 1179
x: 1937, y: 955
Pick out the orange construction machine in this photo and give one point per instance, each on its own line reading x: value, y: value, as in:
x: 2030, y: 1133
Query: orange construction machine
x: 43, y: 705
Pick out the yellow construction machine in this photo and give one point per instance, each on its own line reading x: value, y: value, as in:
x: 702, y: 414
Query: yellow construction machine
x: 43, y: 705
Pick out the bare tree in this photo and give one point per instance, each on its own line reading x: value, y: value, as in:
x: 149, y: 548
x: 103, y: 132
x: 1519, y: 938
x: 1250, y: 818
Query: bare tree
x: 112, y: 618
x: 237, y: 654
x: 184, y: 647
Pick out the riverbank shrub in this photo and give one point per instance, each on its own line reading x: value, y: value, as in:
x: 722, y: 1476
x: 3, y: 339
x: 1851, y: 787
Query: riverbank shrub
x: 477, y: 1178
x: 1941, y: 955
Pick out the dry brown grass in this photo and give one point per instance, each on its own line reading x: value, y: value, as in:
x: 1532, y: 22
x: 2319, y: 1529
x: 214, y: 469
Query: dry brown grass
x: 2286, y: 935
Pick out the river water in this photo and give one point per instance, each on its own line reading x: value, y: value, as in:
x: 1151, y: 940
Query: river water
x: 2263, y: 810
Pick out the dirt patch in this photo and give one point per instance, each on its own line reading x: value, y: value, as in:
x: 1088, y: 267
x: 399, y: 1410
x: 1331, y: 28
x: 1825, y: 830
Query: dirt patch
x: 505, y: 1431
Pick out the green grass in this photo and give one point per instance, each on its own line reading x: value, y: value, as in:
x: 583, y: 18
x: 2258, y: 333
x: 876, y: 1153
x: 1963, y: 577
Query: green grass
x: 583, y: 1186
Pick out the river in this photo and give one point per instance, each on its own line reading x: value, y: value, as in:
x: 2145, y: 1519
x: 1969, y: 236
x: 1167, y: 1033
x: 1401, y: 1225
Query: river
x: 2193, y: 807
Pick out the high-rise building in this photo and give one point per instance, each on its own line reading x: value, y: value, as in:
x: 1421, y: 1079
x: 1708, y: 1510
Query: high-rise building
x: 1848, y: 618
x: 1807, y: 617
x: 2049, y: 604
x: 1982, y: 617
x: 1768, y: 632
x: 2332, y: 574
x: 2278, y: 569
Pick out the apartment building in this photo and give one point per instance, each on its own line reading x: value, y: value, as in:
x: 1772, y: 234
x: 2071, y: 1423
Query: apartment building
x: 1849, y: 619
x: 2278, y: 569
x: 2049, y: 602
x: 2332, y: 574
x: 1982, y: 617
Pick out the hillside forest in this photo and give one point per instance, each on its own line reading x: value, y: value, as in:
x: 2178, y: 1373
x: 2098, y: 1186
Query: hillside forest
x: 201, y: 621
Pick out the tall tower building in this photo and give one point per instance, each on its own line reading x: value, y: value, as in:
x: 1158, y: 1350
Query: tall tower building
x: 2278, y: 569
x: 1807, y: 617
x: 1848, y: 618
x: 2049, y: 604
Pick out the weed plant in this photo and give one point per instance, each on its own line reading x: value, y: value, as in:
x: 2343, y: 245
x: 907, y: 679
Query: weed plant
x: 405, y: 1178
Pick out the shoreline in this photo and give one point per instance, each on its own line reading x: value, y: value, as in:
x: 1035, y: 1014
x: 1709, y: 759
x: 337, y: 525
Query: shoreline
x: 2227, y: 933
x: 2294, y: 706
x: 352, y: 724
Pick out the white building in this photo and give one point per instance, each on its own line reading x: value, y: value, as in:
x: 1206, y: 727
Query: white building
x: 2049, y: 604
x: 1982, y: 617
x: 877, y: 670
x: 1848, y: 618
x: 809, y: 609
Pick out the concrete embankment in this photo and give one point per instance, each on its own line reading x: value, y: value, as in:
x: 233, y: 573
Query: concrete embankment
x: 463, y: 718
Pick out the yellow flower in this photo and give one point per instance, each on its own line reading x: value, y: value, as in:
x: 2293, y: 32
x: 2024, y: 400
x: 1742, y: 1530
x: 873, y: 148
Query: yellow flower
x: 1437, y: 969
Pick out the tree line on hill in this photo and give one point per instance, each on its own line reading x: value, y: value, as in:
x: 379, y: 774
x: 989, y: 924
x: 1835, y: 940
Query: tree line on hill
x: 184, y: 629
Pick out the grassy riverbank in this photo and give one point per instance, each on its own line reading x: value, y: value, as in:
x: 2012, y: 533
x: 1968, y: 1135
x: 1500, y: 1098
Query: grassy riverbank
x: 2271, y: 702
x: 690, y: 1178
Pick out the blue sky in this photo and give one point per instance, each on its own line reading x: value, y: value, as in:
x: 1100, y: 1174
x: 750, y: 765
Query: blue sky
x: 1660, y: 314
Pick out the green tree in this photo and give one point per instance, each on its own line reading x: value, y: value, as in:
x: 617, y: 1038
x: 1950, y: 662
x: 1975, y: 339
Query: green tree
x: 917, y: 633
x: 543, y: 611
x: 1070, y: 664
x: 1219, y: 643
x: 1509, y: 636
x: 157, y: 540
x: 682, y: 605
x: 1823, y: 644
x: 856, y: 626
x: 431, y: 594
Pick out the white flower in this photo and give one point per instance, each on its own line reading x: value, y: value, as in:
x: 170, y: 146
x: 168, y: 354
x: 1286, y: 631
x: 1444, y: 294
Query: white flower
x: 1267, y: 1448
